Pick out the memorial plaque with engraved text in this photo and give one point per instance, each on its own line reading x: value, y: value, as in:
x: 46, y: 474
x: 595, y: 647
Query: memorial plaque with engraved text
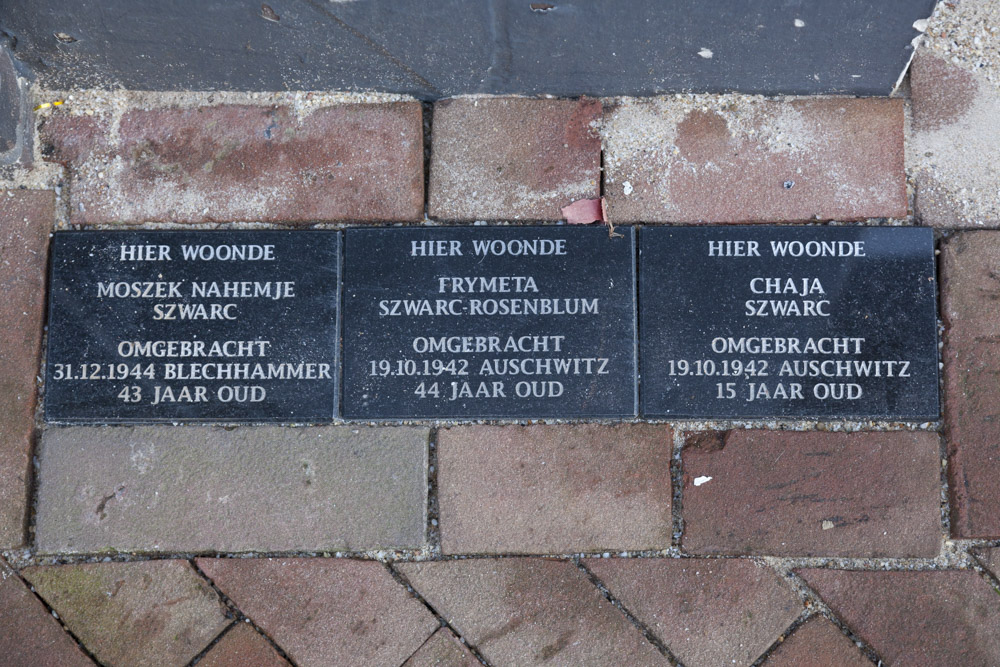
x: 193, y: 326
x: 481, y: 322
x: 826, y: 322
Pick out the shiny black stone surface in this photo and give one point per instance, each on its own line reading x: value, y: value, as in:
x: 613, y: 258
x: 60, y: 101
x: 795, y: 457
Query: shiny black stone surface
x: 230, y: 326
x: 489, y: 322
x: 730, y: 327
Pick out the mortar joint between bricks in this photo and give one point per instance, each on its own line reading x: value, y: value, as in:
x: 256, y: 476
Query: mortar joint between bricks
x: 795, y: 625
x: 405, y: 583
x: 433, y: 503
x: 812, y: 601
x: 646, y: 631
x: 234, y: 612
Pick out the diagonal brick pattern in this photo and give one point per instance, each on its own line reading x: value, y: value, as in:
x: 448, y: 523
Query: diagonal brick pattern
x: 990, y: 558
x: 326, y: 611
x: 443, y: 649
x: 707, y: 612
x: 242, y: 646
x: 29, y: 635
x: 553, y: 489
x: 529, y: 611
x: 817, y: 643
x: 916, y: 618
x: 142, y: 613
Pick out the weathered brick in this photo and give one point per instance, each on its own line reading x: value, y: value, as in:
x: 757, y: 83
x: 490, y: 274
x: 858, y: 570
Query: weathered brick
x: 529, y: 611
x: 245, y: 489
x: 29, y: 635
x: 554, y: 489
x: 990, y: 558
x: 916, y: 619
x: 357, y: 162
x: 443, y: 649
x: 813, y: 494
x: 817, y: 643
x: 970, y: 289
x: 326, y: 611
x: 740, y: 159
x: 26, y: 219
x: 707, y: 612
x: 513, y: 158
x: 143, y: 613
x: 242, y: 647
x: 954, y: 148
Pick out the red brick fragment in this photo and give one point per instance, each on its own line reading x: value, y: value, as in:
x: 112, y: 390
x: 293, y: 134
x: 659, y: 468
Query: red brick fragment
x: 354, y: 162
x: 513, y: 158
x: 443, y: 649
x: 326, y: 611
x: 242, y: 647
x: 817, y: 643
x: 970, y: 290
x: 814, y: 494
x: 26, y: 220
x: 29, y: 635
x: 708, y: 612
x: 554, y: 489
x: 530, y: 611
x: 917, y: 619
x: 754, y: 160
x: 140, y: 613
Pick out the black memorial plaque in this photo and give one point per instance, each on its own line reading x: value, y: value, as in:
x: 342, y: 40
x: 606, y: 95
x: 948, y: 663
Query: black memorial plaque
x: 193, y: 326
x: 825, y: 322
x: 482, y: 322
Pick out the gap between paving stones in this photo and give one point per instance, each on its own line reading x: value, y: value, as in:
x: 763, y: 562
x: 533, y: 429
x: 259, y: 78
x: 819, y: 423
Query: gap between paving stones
x: 232, y: 611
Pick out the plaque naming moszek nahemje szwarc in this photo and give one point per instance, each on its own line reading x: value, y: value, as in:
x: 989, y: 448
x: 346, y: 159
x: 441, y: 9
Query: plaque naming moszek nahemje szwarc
x: 489, y: 322
x: 193, y: 326
x: 765, y: 321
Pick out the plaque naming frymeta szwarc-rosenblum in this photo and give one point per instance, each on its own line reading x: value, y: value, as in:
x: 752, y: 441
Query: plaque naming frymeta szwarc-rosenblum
x: 764, y: 321
x: 193, y: 326
x: 489, y: 322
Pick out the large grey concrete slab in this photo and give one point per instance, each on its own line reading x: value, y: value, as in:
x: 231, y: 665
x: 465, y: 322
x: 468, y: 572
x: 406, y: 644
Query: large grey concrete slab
x: 213, y: 489
x: 450, y: 47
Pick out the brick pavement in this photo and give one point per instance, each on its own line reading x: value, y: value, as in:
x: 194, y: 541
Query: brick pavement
x: 773, y: 543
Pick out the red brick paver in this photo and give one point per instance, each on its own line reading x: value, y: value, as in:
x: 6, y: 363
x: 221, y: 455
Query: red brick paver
x: 554, y: 489
x: 29, y: 635
x: 443, y: 649
x: 817, y: 643
x: 528, y: 611
x: 261, y: 488
x: 747, y: 159
x: 326, y: 611
x: 143, y: 613
x: 708, y: 612
x: 813, y: 494
x: 970, y: 290
x: 916, y: 619
x: 26, y: 219
x: 357, y: 162
x: 990, y: 558
x: 513, y: 158
x: 242, y: 647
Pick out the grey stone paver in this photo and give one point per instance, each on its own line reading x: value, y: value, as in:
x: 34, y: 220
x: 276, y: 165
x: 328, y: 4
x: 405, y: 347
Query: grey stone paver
x: 134, y: 614
x: 264, y: 488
